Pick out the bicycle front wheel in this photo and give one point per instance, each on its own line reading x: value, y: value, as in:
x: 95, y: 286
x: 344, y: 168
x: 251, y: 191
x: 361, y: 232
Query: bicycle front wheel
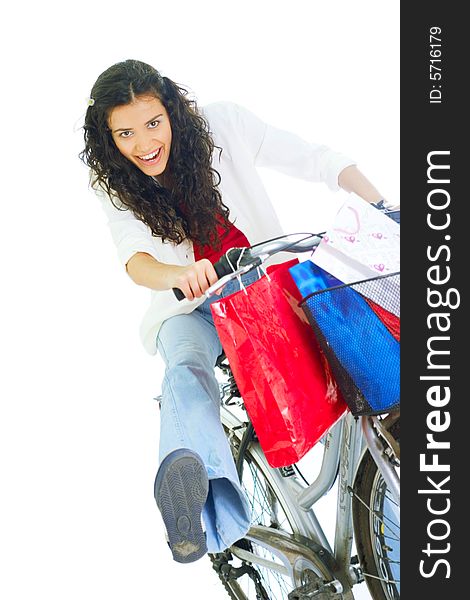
x: 377, y: 528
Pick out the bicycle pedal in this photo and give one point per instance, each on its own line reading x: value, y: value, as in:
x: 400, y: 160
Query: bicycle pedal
x: 315, y: 589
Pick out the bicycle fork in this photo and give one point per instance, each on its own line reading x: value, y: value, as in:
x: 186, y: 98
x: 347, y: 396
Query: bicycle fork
x: 378, y: 453
x: 355, y: 432
x: 351, y: 450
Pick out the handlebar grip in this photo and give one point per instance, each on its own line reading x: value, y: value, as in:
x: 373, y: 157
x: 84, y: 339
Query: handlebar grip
x: 222, y: 267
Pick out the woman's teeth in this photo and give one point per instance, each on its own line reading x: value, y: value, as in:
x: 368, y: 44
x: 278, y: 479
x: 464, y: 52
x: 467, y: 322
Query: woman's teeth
x: 150, y: 156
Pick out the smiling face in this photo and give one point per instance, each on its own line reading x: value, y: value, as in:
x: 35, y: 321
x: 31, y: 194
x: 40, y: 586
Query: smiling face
x: 142, y: 133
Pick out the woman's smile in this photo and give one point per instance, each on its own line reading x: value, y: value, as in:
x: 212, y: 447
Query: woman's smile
x: 153, y: 157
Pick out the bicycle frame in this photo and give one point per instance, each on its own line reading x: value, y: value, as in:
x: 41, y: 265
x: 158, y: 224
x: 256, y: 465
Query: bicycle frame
x: 341, y: 458
x: 349, y: 439
x: 345, y: 444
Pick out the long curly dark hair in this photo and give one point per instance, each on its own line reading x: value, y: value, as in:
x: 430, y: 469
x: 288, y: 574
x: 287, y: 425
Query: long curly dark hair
x: 193, y: 207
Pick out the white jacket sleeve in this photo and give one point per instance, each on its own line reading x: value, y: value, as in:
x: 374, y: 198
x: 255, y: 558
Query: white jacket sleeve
x: 289, y: 153
x: 129, y: 234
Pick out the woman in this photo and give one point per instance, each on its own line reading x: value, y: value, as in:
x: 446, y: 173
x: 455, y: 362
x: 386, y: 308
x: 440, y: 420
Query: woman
x: 180, y: 186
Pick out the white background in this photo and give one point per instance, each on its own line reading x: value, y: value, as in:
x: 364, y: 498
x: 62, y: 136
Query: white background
x: 79, y: 428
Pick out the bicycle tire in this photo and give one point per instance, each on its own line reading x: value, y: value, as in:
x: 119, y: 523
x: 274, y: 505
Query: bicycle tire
x: 256, y: 466
x: 377, y: 536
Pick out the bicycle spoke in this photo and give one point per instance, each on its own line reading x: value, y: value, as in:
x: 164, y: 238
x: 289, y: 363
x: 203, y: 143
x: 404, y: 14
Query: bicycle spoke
x: 377, y: 514
x: 262, y: 575
x: 263, y: 502
x: 381, y: 578
x: 391, y: 499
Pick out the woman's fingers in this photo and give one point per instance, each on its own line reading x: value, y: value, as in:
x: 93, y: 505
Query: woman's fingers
x: 209, y: 271
x: 206, y: 276
x: 195, y: 279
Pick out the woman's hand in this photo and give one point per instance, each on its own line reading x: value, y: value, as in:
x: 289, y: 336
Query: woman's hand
x: 392, y: 211
x: 195, y: 279
x: 352, y: 180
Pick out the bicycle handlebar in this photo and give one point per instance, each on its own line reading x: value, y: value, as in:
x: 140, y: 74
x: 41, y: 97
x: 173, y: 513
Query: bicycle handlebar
x: 238, y: 261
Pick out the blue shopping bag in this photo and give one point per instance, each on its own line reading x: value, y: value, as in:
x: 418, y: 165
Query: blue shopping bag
x: 361, y: 349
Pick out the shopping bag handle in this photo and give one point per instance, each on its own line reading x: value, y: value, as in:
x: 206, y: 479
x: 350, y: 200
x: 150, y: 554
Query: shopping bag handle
x: 238, y: 261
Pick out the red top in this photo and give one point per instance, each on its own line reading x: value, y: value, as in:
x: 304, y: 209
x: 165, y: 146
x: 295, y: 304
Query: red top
x: 230, y: 238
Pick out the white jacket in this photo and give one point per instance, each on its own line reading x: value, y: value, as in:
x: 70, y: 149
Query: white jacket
x: 247, y: 143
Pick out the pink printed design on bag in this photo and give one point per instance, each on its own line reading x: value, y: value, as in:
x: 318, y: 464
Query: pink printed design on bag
x: 374, y: 251
x: 354, y: 229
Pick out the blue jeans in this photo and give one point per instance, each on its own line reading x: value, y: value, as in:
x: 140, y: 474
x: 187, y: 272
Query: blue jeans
x: 190, y: 415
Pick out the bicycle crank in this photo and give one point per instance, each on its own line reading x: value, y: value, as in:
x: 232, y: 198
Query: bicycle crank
x: 306, y: 563
x: 314, y: 588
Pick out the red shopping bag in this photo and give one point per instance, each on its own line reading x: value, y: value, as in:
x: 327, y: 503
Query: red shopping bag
x: 284, y: 379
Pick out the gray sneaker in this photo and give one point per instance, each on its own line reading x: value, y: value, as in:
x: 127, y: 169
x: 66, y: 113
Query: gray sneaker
x: 181, y: 488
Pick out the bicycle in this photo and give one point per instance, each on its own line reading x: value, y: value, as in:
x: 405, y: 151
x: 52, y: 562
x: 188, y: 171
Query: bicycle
x: 286, y: 554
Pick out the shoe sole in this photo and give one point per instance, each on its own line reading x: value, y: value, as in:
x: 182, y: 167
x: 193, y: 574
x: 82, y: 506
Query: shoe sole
x: 181, y: 489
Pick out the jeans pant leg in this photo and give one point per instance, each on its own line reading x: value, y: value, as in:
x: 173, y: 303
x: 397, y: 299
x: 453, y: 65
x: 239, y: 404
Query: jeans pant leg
x: 190, y: 418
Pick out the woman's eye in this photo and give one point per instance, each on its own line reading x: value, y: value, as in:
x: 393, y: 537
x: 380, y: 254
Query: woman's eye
x: 125, y: 134
x: 154, y: 124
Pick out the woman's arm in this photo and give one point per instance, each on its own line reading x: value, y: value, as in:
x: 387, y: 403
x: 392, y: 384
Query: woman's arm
x: 193, y: 280
x: 352, y: 180
x: 290, y: 154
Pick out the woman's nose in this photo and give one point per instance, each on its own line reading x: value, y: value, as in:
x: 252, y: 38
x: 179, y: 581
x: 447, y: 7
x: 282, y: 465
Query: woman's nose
x: 145, y: 144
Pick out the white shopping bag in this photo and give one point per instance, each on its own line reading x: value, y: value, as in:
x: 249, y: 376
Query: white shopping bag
x: 362, y: 243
